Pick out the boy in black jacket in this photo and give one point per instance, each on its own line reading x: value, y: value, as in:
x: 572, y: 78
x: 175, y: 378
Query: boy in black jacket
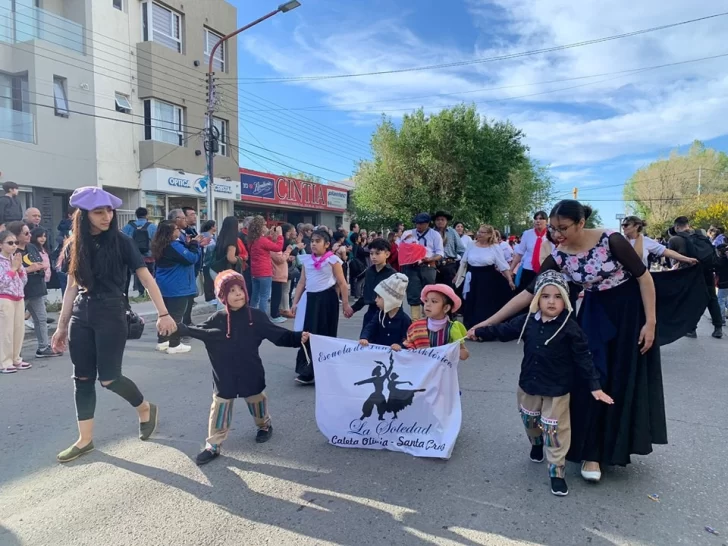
x: 554, y: 346
x: 379, y: 251
x: 232, y: 337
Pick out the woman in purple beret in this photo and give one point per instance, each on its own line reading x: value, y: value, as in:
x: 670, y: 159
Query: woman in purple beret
x: 93, y: 318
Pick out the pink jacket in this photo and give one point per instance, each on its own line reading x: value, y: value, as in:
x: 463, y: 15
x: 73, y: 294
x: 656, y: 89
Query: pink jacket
x: 280, y: 265
x: 12, y: 283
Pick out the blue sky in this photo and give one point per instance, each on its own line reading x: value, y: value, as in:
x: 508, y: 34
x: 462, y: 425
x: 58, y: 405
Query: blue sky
x: 594, y: 130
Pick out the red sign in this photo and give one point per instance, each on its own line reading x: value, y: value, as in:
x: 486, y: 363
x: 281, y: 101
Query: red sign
x: 273, y: 189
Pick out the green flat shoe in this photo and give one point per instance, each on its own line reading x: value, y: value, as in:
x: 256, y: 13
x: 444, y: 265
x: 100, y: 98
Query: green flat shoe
x: 74, y: 452
x: 147, y: 428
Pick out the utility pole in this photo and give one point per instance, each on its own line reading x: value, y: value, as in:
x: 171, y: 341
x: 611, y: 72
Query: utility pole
x: 576, y: 193
x: 211, y: 139
x: 700, y: 179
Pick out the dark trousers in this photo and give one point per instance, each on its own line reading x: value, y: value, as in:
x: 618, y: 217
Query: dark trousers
x: 447, y: 272
x: 187, y: 316
x: 97, y: 337
x: 177, y: 308
x: 208, y: 284
x: 713, y: 306
x: 138, y: 286
x: 419, y: 276
x: 276, y: 295
x: 527, y: 277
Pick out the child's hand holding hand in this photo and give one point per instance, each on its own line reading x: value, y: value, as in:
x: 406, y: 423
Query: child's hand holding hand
x: 602, y: 397
x: 396, y: 347
x: 304, y: 337
x: 348, y: 313
x: 364, y: 342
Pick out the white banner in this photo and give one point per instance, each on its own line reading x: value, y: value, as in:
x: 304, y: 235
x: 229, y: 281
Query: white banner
x: 375, y: 398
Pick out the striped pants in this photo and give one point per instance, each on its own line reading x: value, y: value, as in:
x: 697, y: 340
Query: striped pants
x: 548, y: 423
x: 221, y: 413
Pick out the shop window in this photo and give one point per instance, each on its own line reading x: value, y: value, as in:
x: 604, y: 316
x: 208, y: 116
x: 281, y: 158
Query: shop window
x: 155, y: 204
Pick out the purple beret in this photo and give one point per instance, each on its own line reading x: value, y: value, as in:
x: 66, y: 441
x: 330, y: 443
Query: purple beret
x: 91, y: 197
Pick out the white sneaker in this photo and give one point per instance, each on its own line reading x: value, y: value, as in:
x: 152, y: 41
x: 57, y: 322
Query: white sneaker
x: 278, y: 320
x: 29, y: 324
x: 163, y: 346
x: 591, y: 475
x: 181, y: 348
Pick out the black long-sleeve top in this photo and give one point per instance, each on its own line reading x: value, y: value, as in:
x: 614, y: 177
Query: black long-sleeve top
x: 394, y: 329
x: 372, y: 278
x: 547, y: 370
x: 237, y: 369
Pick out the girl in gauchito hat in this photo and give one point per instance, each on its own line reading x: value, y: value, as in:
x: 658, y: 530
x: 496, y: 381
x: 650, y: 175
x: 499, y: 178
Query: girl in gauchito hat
x: 554, y: 347
x: 437, y: 328
x: 232, y: 337
x: 101, y: 260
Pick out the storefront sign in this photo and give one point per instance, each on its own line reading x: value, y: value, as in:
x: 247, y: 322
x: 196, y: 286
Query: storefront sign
x: 167, y: 181
x: 258, y: 187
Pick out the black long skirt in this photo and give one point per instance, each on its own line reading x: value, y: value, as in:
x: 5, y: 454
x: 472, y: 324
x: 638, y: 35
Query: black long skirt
x: 681, y: 301
x: 322, y: 318
x: 612, y: 320
x: 489, y: 292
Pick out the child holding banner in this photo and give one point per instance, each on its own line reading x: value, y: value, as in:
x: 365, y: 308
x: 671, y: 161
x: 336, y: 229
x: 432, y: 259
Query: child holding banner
x: 316, y: 295
x: 554, y: 346
x: 437, y: 329
x: 232, y: 337
x: 389, y: 326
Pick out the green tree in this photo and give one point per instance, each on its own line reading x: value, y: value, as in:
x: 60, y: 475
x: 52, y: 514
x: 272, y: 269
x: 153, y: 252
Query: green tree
x: 454, y: 160
x: 594, y: 220
x: 675, y: 186
x: 303, y: 176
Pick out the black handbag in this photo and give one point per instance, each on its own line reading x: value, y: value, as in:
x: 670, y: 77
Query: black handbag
x: 134, y: 323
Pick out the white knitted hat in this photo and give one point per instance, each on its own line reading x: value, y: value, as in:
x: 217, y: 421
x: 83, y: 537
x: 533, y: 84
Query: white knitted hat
x: 393, y: 291
x: 549, y: 278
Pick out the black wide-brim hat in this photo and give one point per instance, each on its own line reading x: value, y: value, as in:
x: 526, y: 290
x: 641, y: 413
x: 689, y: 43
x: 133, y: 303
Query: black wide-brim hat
x: 442, y: 213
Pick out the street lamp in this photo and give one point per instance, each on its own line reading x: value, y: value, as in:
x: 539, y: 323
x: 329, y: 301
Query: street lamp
x: 211, y: 140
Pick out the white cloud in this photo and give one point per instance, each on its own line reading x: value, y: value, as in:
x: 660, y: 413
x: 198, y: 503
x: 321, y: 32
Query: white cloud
x: 611, y: 116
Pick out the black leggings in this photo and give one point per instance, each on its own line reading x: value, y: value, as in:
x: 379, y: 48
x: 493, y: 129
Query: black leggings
x: 276, y: 296
x: 96, y: 341
x: 177, y: 308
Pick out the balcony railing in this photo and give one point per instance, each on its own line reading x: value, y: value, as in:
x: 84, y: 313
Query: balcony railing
x: 15, y: 125
x: 27, y: 23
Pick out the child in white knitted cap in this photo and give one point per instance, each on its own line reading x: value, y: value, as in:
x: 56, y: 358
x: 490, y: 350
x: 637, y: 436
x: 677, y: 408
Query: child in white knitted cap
x: 554, y: 346
x: 389, y: 326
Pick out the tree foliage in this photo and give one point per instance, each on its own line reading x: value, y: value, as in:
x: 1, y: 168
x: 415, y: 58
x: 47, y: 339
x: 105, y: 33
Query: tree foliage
x: 712, y: 214
x: 454, y: 160
x: 677, y: 186
x: 594, y: 220
x: 302, y: 176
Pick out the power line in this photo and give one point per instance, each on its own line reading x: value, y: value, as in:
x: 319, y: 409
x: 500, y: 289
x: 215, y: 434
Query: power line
x: 296, y: 159
x: 484, y: 60
x: 481, y: 89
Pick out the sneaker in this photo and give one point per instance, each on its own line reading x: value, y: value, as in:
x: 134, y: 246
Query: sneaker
x: 47, y: 353
x: 163, y: 346
x: 536, y: 454
x: 264, y: 434
x: 559, y: 487
x: 74, y: 452
x: 278, y: 320
x: 29, y: 324
x: 717, y: 333
x: 181, y: 348
x: 692, y: 335
x: 206, y: 456
x: 147, y: 428
x: 305, y: 380
x: 50, y: 320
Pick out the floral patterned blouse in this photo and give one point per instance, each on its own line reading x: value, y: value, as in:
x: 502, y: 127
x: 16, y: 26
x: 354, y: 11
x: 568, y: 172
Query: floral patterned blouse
x: 610, y: 263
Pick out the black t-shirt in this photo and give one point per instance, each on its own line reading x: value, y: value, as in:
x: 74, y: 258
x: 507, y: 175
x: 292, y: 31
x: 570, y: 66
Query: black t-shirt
x: 36, y: 286
x: 117, y: 283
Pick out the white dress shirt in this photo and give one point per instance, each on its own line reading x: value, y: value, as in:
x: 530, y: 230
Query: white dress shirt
x: 526, y: 247
x: 649, y: 246
x: 431, y: 240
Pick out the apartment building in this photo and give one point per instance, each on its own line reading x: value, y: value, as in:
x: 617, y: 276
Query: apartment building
x: 112, y: 93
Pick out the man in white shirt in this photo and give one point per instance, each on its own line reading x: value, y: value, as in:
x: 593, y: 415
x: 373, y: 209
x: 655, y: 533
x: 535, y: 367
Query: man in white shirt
x: 424, y: 272
x: 533, y: 249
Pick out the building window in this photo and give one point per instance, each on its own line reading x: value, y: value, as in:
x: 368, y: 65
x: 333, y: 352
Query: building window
x: 122, y: 103
x: 60, y: 99
x: 118, y: 4
x: 221, y: 126
x: 162, y: 25
x: 16, y: 121
x: 211, y: 38
x: 163, y: 122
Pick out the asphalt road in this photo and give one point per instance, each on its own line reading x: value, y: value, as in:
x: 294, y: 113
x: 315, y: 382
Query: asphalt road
x: 297, y: 489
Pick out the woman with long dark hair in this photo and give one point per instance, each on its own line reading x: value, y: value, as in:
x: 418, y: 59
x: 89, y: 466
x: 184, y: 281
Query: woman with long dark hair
x: 208, y: 230
x: 229, y: 254
x: 175, y: 276
x: 488, y: 283
x: 619, y: 317
x: 100, y: 258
